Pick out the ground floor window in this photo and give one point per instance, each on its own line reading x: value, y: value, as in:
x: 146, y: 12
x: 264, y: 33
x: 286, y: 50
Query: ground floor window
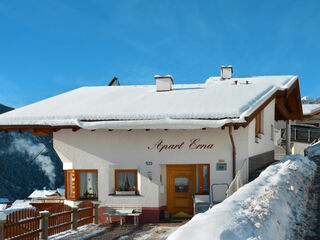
x: 126, y: 180
x: 81, y: 184
x: 88, y: 184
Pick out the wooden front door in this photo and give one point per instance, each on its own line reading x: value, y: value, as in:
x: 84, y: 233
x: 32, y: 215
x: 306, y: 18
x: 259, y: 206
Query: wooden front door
x: 181, y: 179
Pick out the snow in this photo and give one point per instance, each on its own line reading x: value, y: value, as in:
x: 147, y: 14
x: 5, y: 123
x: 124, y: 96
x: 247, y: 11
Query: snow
x: 158, y: 232
x: 305, y: 98
x: 83, y: 232
x: 21, y: 204
x: 43, y: 194
x: 17, y: 205
x: 313, y: 150
x: 309, y: 109
x: 61, y: 191
x: 3, y: 206
x: 270, y: 207
x: 188, y: 106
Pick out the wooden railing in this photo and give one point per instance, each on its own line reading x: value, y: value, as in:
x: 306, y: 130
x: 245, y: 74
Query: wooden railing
x: 32, y: 224
x: 302, y: 134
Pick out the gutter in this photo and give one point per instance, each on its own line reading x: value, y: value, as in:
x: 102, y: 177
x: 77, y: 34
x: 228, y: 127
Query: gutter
x: 233, y: 151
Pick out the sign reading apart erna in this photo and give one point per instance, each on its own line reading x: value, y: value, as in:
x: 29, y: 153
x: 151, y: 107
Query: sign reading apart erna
x: 221, y: 166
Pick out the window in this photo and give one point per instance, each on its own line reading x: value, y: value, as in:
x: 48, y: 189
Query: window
x: 70, y: 192
x: 88, y: 185
x: 81, y: 184
x: 181, y: 184
x: 258, y: 125
x: 126, y: 180
x: 204, y: 178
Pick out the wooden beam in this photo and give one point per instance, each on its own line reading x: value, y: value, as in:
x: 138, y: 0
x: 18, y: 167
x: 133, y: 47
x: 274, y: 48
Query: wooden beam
x: 283, y: 111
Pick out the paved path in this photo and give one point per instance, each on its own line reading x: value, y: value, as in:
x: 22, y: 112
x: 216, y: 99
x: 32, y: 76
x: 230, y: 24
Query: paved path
x: 154, y: 231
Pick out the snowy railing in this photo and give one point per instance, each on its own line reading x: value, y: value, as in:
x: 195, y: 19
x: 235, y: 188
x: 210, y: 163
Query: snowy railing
x: 241, y: 178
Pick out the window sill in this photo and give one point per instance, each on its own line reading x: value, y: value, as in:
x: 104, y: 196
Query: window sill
x: 124, y: 195
x: 93, y: 198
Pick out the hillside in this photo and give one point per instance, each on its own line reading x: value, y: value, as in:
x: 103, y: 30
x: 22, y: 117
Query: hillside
x: 20, y: 172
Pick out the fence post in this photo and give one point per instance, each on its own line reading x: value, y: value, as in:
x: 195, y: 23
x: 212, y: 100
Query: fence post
x: 74, y: 218
x: 44, y: 224
x: 2, y: 222
x: 96, y: 213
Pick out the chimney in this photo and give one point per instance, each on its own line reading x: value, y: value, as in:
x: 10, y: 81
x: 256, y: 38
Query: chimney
x: 226, y: 72
x: 164, y: 83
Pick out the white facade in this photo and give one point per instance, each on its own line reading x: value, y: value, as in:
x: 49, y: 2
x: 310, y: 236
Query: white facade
x: 121, y: 149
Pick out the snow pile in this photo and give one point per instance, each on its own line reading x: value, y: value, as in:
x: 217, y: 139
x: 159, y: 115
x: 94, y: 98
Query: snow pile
x: 313, y: 150
x: 270, y: 207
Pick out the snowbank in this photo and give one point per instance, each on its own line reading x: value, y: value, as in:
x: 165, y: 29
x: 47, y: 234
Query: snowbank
x: 313, y: 150
x: 270, y: 207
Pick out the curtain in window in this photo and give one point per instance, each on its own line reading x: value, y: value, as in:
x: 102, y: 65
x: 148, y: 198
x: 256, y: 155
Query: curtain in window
x: 88, y: 184
x: 70, y: 184
x: 126, y: 180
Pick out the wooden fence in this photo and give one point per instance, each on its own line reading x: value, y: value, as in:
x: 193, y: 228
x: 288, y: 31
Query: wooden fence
x: 22, y: 224
x: 32, y: 224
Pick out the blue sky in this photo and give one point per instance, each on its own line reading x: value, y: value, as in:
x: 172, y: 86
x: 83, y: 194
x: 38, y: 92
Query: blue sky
x: 49, y: 47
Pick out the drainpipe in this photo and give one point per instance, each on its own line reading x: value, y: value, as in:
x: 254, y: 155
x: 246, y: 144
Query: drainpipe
x: 233, y: 152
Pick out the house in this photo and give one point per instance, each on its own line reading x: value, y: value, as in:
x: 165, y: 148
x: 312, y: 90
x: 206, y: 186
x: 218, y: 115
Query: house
x: 303, y: 132
x: 154, y: 145
x: 311, y: 115
x: 44, y: 194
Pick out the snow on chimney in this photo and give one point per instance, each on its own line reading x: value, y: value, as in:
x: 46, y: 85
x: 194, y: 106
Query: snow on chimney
x: 226, y: 72
x: 164, y: 83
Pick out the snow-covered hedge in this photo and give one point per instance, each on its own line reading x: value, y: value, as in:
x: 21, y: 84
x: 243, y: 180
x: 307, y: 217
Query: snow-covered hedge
x: 270, y: 207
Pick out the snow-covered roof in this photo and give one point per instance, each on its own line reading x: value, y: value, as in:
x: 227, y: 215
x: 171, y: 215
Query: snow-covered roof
x: 44, y: 194
x: 21, y: 204
x: 211, y: 104
x: 17, y: 205
x: 4, y: 200
x: 61, y: 191
x: 309, y: 109
x: 3, y: 206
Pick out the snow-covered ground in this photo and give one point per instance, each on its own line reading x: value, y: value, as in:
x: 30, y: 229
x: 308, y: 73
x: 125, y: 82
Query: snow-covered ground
x: 83, y: 232
x: 156, y: 233
x: 270, y: 207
